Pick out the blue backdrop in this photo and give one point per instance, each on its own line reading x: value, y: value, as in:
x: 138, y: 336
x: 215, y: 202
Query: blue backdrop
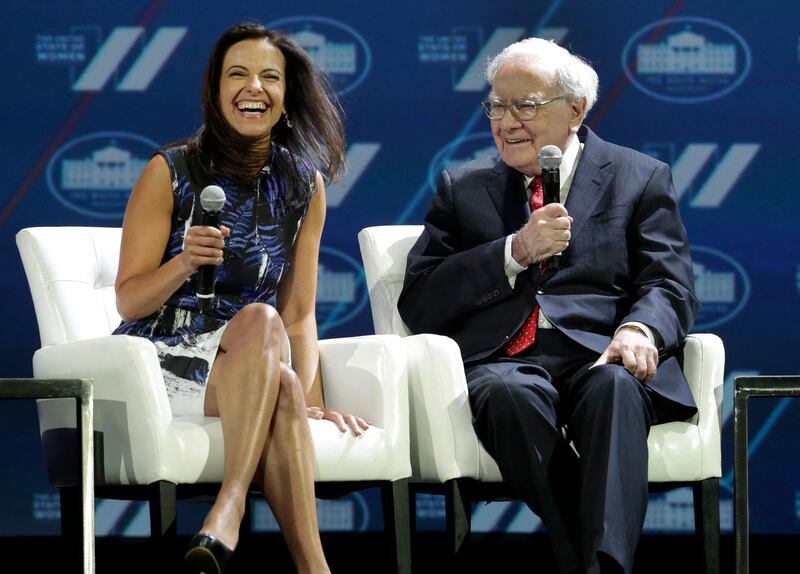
x: 91, y: 88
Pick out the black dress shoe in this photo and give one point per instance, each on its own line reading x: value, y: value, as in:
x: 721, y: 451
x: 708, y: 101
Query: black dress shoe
x: 207, y: 554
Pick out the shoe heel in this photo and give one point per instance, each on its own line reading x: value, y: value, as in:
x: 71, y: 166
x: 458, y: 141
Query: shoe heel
x: 207, y: 554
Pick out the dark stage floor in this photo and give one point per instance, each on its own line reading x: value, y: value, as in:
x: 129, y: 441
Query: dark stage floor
x: 363, y: 553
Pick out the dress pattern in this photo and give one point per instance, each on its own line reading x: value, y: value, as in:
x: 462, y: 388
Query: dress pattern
x: 264, y: 225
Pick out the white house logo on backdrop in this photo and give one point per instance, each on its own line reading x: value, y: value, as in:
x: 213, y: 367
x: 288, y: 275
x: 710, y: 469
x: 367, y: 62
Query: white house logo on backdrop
x: 126, y: 55
x: 458, y: 151
x: 341, y: 289
x: 93, y: 174
x: 336, y: 47
x: 686, y: 60
x: 721, y: 284
x: 706, y: 170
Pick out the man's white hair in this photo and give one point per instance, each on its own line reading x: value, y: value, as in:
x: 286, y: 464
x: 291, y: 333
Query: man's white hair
x: 575, y: 77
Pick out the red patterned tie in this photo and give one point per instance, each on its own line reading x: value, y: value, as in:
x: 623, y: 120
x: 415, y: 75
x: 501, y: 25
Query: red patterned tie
x: 525, y: 337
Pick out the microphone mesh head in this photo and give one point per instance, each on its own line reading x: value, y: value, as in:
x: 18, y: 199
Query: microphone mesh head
x: 550, y: 157
x: 212, y: 198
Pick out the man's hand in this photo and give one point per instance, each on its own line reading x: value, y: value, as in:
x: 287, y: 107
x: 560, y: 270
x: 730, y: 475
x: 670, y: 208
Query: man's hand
x: 546, y: 233
x: 634, y: 350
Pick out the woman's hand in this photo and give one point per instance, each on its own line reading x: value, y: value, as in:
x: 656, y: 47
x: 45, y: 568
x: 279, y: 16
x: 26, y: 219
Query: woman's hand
x: 203, y: 245
x: 356, y: 424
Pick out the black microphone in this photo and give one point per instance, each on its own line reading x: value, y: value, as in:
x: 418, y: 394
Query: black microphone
x: 212, y: 198
x: 550, y: 159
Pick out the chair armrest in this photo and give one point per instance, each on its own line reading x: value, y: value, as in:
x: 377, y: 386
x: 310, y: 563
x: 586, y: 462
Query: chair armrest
x: 130, y: 400
x: 366, y: 376
x: 443, y: 441
x: 704, y: 367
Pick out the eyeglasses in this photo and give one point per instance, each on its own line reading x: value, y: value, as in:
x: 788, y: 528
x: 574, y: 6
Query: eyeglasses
x: 522, y: 109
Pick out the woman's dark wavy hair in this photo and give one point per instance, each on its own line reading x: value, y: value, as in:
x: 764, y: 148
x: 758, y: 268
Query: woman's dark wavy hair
x: 316, y: 139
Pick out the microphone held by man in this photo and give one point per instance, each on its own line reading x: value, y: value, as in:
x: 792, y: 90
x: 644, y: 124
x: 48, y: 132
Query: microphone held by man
x: 550, y: 161
x: 212, y: 199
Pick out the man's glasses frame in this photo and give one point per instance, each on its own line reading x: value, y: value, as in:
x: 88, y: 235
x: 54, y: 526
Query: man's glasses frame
x: 523, y: 109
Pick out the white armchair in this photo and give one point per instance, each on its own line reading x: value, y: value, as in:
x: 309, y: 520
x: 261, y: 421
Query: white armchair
x: 446, y: 455
x: 142, y: 451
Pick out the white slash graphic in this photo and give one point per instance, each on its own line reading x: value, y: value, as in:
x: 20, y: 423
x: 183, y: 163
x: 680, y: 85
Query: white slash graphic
x: 474, y: 79
x: 116, y: 48
x: 359, y: 156
x: 152, y: 59
x: 725, y: 175
x: 722, y: 179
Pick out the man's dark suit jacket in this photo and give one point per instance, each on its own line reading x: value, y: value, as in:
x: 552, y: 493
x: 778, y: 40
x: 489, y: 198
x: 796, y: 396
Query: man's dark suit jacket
x: 628, y: 260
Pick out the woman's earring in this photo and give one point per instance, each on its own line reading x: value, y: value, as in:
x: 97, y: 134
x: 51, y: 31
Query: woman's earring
x: 289, y: 123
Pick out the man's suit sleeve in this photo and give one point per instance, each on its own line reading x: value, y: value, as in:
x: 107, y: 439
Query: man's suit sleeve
x: 445, y: 280
x: 663, y: 289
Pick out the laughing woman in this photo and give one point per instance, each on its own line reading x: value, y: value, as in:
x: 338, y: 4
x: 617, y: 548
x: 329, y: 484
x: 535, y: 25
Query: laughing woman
x: 270, y: 118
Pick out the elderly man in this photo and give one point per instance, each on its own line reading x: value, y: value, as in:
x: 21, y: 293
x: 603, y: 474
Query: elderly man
x: 586, y: 352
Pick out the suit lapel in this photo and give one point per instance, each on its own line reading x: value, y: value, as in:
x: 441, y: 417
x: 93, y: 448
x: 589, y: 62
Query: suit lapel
x: 592, y: 180
x: 506, y: 189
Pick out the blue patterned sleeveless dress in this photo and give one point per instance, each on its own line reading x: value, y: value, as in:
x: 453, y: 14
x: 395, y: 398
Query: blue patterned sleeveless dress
x: 264, y: 226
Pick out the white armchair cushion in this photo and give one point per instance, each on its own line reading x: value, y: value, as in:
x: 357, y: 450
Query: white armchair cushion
x: 71, y: 274
x: 384, y: 251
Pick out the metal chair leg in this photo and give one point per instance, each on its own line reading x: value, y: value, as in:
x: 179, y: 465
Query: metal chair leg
x: 706, y: 522
x: 163, y: 523
x: 740, y: 480
x: 163, y: 509
x: 458, y: 512
x: 397, y: 524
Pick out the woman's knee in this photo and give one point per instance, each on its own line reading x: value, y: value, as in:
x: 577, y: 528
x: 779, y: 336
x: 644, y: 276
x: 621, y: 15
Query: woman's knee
x: 257, y: 323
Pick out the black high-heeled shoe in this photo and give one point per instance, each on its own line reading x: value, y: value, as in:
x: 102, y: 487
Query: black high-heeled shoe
x: 207, y: 554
